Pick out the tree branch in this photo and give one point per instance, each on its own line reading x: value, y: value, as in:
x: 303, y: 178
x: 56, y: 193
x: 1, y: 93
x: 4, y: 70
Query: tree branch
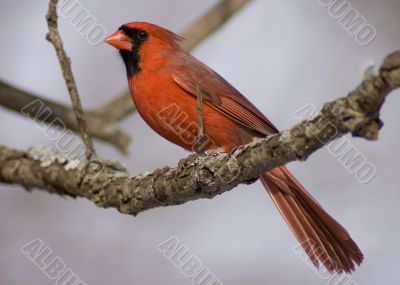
x: 53, y: 36
x: 204, y: 176
x: 200, y: 121
x: 100, y: 124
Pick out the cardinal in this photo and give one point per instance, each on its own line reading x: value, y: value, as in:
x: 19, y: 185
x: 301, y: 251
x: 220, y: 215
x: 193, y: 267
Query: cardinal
x: 165, y: 82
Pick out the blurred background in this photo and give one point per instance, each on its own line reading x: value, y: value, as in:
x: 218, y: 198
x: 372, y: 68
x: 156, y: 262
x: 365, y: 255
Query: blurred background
x: 282, y: 55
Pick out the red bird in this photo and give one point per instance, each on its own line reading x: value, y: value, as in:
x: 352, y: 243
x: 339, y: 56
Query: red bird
x: 164, y: 82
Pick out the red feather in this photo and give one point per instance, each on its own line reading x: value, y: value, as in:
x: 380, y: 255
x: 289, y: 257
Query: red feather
x: 164, y: 88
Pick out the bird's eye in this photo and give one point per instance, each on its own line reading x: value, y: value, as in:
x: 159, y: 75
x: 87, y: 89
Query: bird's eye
x: 142, y: 35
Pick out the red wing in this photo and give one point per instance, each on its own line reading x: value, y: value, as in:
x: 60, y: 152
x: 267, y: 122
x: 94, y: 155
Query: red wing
x: 218, y: 93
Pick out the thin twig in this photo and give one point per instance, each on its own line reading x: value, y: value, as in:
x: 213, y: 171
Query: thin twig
x: 200, y: 120
x: 54, y: 37
x: 205, y: 176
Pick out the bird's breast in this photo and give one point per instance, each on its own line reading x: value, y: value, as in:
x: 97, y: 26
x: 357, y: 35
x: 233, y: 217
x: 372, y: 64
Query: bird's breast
x: 172, y: 113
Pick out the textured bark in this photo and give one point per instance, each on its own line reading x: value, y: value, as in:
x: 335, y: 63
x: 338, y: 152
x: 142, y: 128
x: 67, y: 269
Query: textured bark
x: 109, y: 185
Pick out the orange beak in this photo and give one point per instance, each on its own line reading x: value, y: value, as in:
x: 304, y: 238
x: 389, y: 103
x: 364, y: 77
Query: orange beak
x: 120, y: 41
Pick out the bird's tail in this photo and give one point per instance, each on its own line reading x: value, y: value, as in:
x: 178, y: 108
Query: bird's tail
x: 324, y: 240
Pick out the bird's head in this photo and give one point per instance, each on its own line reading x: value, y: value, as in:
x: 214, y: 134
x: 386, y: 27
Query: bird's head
x: 139, y: 43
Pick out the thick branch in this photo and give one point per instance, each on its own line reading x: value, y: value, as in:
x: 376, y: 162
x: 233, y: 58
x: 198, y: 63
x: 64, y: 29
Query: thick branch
x: 54, y: 37
x: 204, y: 176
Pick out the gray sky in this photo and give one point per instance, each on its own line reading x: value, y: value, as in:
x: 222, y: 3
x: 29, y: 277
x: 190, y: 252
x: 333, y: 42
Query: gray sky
x: 282, y: 55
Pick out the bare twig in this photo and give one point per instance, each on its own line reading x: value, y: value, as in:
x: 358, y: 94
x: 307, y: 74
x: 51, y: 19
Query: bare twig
x: 206, y: 176
x: 200, y: 120
x: 54, y: 37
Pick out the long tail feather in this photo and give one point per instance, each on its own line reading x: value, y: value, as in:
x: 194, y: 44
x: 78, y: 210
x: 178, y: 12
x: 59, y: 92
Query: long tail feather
x: 324, y: 240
